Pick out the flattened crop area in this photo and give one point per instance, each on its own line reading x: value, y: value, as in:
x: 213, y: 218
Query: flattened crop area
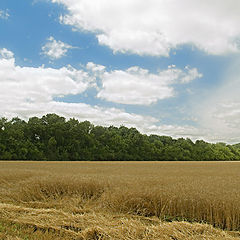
x: 119, y: 200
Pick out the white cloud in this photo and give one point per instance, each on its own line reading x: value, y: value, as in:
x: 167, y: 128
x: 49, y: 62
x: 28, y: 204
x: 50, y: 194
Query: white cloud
x: 191, y: 75
x: 176, y: 131
x: 4, y: 14
x: 138, y: 86
x: 40, y: 85
x: 154, y: 27
x: 4, y: 53
x: 55, y: 49
x: 95, y: 67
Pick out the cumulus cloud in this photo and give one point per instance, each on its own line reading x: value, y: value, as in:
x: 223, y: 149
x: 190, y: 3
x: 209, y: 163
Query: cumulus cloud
x: 28, y: 84
x: 154, y: 27
x: 139, y: 86
x: 55, y: 49
x: 4, y: 14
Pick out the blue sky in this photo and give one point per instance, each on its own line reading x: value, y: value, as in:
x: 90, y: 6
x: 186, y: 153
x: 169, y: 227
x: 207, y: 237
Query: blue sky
x: 162, y: 67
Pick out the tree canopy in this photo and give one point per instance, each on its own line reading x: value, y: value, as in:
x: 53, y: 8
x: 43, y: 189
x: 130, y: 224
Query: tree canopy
x: 52, y: 137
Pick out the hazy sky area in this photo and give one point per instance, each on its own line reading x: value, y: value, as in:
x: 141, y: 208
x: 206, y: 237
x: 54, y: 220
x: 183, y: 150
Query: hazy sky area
x: 166, y: 67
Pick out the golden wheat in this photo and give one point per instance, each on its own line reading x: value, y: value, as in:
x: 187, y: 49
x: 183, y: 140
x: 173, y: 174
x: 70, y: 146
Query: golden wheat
x: 120, y: 200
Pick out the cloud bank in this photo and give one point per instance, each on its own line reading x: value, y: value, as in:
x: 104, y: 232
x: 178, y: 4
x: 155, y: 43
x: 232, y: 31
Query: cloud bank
x: 31, y: 91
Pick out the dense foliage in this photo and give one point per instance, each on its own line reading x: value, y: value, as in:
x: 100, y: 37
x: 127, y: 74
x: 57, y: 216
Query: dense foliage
x: 53, y: 138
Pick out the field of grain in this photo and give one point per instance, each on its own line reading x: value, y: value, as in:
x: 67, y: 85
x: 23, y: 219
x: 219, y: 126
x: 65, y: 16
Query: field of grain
x: 119, y: 200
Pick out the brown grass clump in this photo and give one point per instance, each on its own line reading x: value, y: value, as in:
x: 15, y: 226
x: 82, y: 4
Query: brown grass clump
x: 93, y: 233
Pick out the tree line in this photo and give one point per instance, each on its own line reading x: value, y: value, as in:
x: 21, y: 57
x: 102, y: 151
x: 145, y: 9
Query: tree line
x: 52, y: 137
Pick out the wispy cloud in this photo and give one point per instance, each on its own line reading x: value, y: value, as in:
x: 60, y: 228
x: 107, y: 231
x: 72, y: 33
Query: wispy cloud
x: 4, y: 14
x: 55, y: 49
x: 6, y: 54
x: 219, y: 112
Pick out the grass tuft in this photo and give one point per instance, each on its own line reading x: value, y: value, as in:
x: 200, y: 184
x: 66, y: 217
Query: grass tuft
x: 94, y: 233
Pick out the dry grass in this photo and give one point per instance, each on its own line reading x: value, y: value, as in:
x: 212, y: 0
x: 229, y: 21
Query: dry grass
x: 57, y: 224
x: 119, y: 200
x: 55, y: 187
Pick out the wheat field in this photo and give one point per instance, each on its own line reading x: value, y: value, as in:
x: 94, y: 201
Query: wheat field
x: 119, y: 200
